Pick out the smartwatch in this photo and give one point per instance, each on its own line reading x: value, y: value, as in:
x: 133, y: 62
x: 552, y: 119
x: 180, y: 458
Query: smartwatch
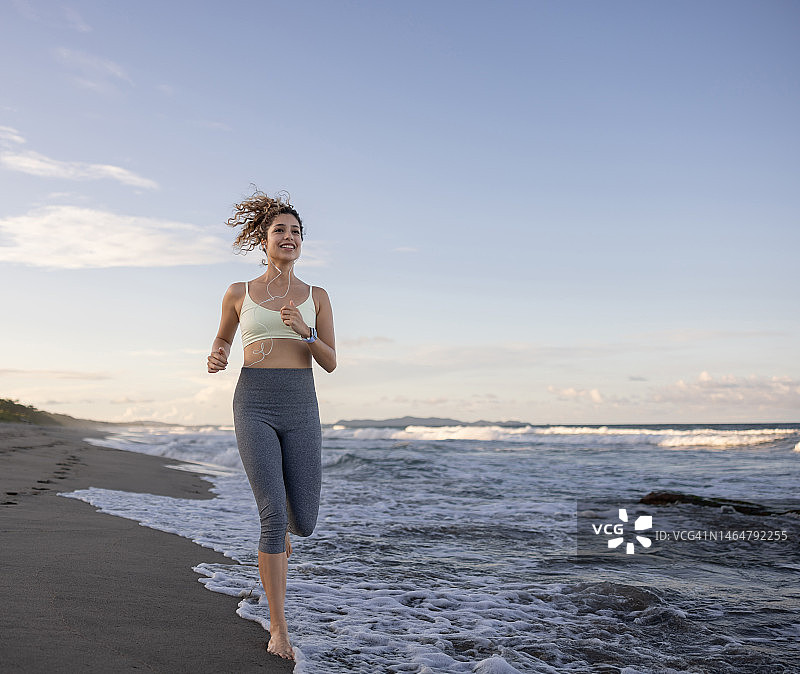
x: 313, y: 338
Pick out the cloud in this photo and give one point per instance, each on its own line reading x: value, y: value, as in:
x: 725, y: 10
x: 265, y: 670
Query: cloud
x: 209, y: 124
x: 419, y: 402
x: 74, y: 237
x: 365, y: 341
x: 37, y: 164
x: 159, y: 353
x: 48, y: 403
x: 476, y: 402
x: 9, y: 135
x: 75, y: 20
x: 487, y: 357
x: 578, y: 395
x: 26, y: 10
x: 729, y: 390
x: 214, y: 390
x: 706, y: 393
x: 682, y: 336
x: 71, y: 237
x: 93, y: 72
x: 59, y: 17
x: 513, y: 356
x: 58, y: 374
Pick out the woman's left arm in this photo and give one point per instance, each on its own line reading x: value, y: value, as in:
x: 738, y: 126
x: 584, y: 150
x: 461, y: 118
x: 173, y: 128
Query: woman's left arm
x: 324, y: 348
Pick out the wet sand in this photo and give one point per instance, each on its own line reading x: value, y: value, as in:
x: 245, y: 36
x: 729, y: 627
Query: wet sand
x: 86, y: 591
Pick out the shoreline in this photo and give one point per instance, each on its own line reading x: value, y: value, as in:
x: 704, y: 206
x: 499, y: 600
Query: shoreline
x: 89, y: 591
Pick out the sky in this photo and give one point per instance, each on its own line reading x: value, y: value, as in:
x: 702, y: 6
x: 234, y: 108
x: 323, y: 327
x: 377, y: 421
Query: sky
x: 545, y: 211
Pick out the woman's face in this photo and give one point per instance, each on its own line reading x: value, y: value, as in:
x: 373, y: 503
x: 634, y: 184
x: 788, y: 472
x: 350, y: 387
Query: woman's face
x: 283, y: 238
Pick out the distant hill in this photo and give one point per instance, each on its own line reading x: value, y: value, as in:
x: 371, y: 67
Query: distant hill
x: 13, y: 411
x: 402, y: 422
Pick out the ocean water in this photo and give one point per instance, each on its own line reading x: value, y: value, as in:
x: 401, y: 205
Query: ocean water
x: 455, y: 549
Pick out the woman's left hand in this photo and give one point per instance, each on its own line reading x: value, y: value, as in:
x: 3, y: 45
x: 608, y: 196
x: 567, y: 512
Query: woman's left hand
x: 291, y: 316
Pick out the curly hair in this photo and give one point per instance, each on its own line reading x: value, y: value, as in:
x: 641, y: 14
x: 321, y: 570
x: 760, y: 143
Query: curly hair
x: 255, y: 214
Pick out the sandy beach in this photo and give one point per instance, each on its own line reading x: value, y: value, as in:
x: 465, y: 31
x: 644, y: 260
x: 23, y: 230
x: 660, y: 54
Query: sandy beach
x: 78, y: 587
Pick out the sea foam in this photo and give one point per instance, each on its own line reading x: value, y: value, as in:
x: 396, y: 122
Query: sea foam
x: 452, y: 549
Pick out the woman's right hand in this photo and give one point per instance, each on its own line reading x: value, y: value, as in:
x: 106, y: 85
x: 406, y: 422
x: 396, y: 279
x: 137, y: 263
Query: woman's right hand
x: 217, y: 361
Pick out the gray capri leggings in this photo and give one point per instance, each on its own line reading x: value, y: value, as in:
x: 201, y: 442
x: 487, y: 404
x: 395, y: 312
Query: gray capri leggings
x: 276, y: 418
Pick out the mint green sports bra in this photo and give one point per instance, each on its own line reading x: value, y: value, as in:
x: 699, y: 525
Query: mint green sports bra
x: 259, y: 323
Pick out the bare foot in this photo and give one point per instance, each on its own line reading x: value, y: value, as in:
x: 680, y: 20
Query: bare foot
x: 279, y: 642
x: 288, y: 546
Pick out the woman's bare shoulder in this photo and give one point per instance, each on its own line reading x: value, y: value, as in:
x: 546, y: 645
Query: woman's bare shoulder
x: 320, y: 297
x: 320, y: 294
x: 235, y: 290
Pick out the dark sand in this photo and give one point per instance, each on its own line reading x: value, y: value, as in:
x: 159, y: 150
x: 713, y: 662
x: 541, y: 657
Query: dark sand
x: 89, y: 592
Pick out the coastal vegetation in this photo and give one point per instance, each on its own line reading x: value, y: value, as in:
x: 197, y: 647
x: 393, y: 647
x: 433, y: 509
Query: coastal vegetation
x: 14, y: 411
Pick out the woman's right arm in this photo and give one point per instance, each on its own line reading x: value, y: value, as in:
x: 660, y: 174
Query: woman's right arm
x: 221, y: 348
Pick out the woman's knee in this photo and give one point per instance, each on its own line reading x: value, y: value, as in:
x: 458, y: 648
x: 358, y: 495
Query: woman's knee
x: 272, y: 540
x: 304, y: 525
x: 271, y: 546
x: 273, y: 531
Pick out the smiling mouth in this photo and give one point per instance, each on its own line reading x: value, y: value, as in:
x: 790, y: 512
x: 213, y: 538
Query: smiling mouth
x: 288, y: 246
